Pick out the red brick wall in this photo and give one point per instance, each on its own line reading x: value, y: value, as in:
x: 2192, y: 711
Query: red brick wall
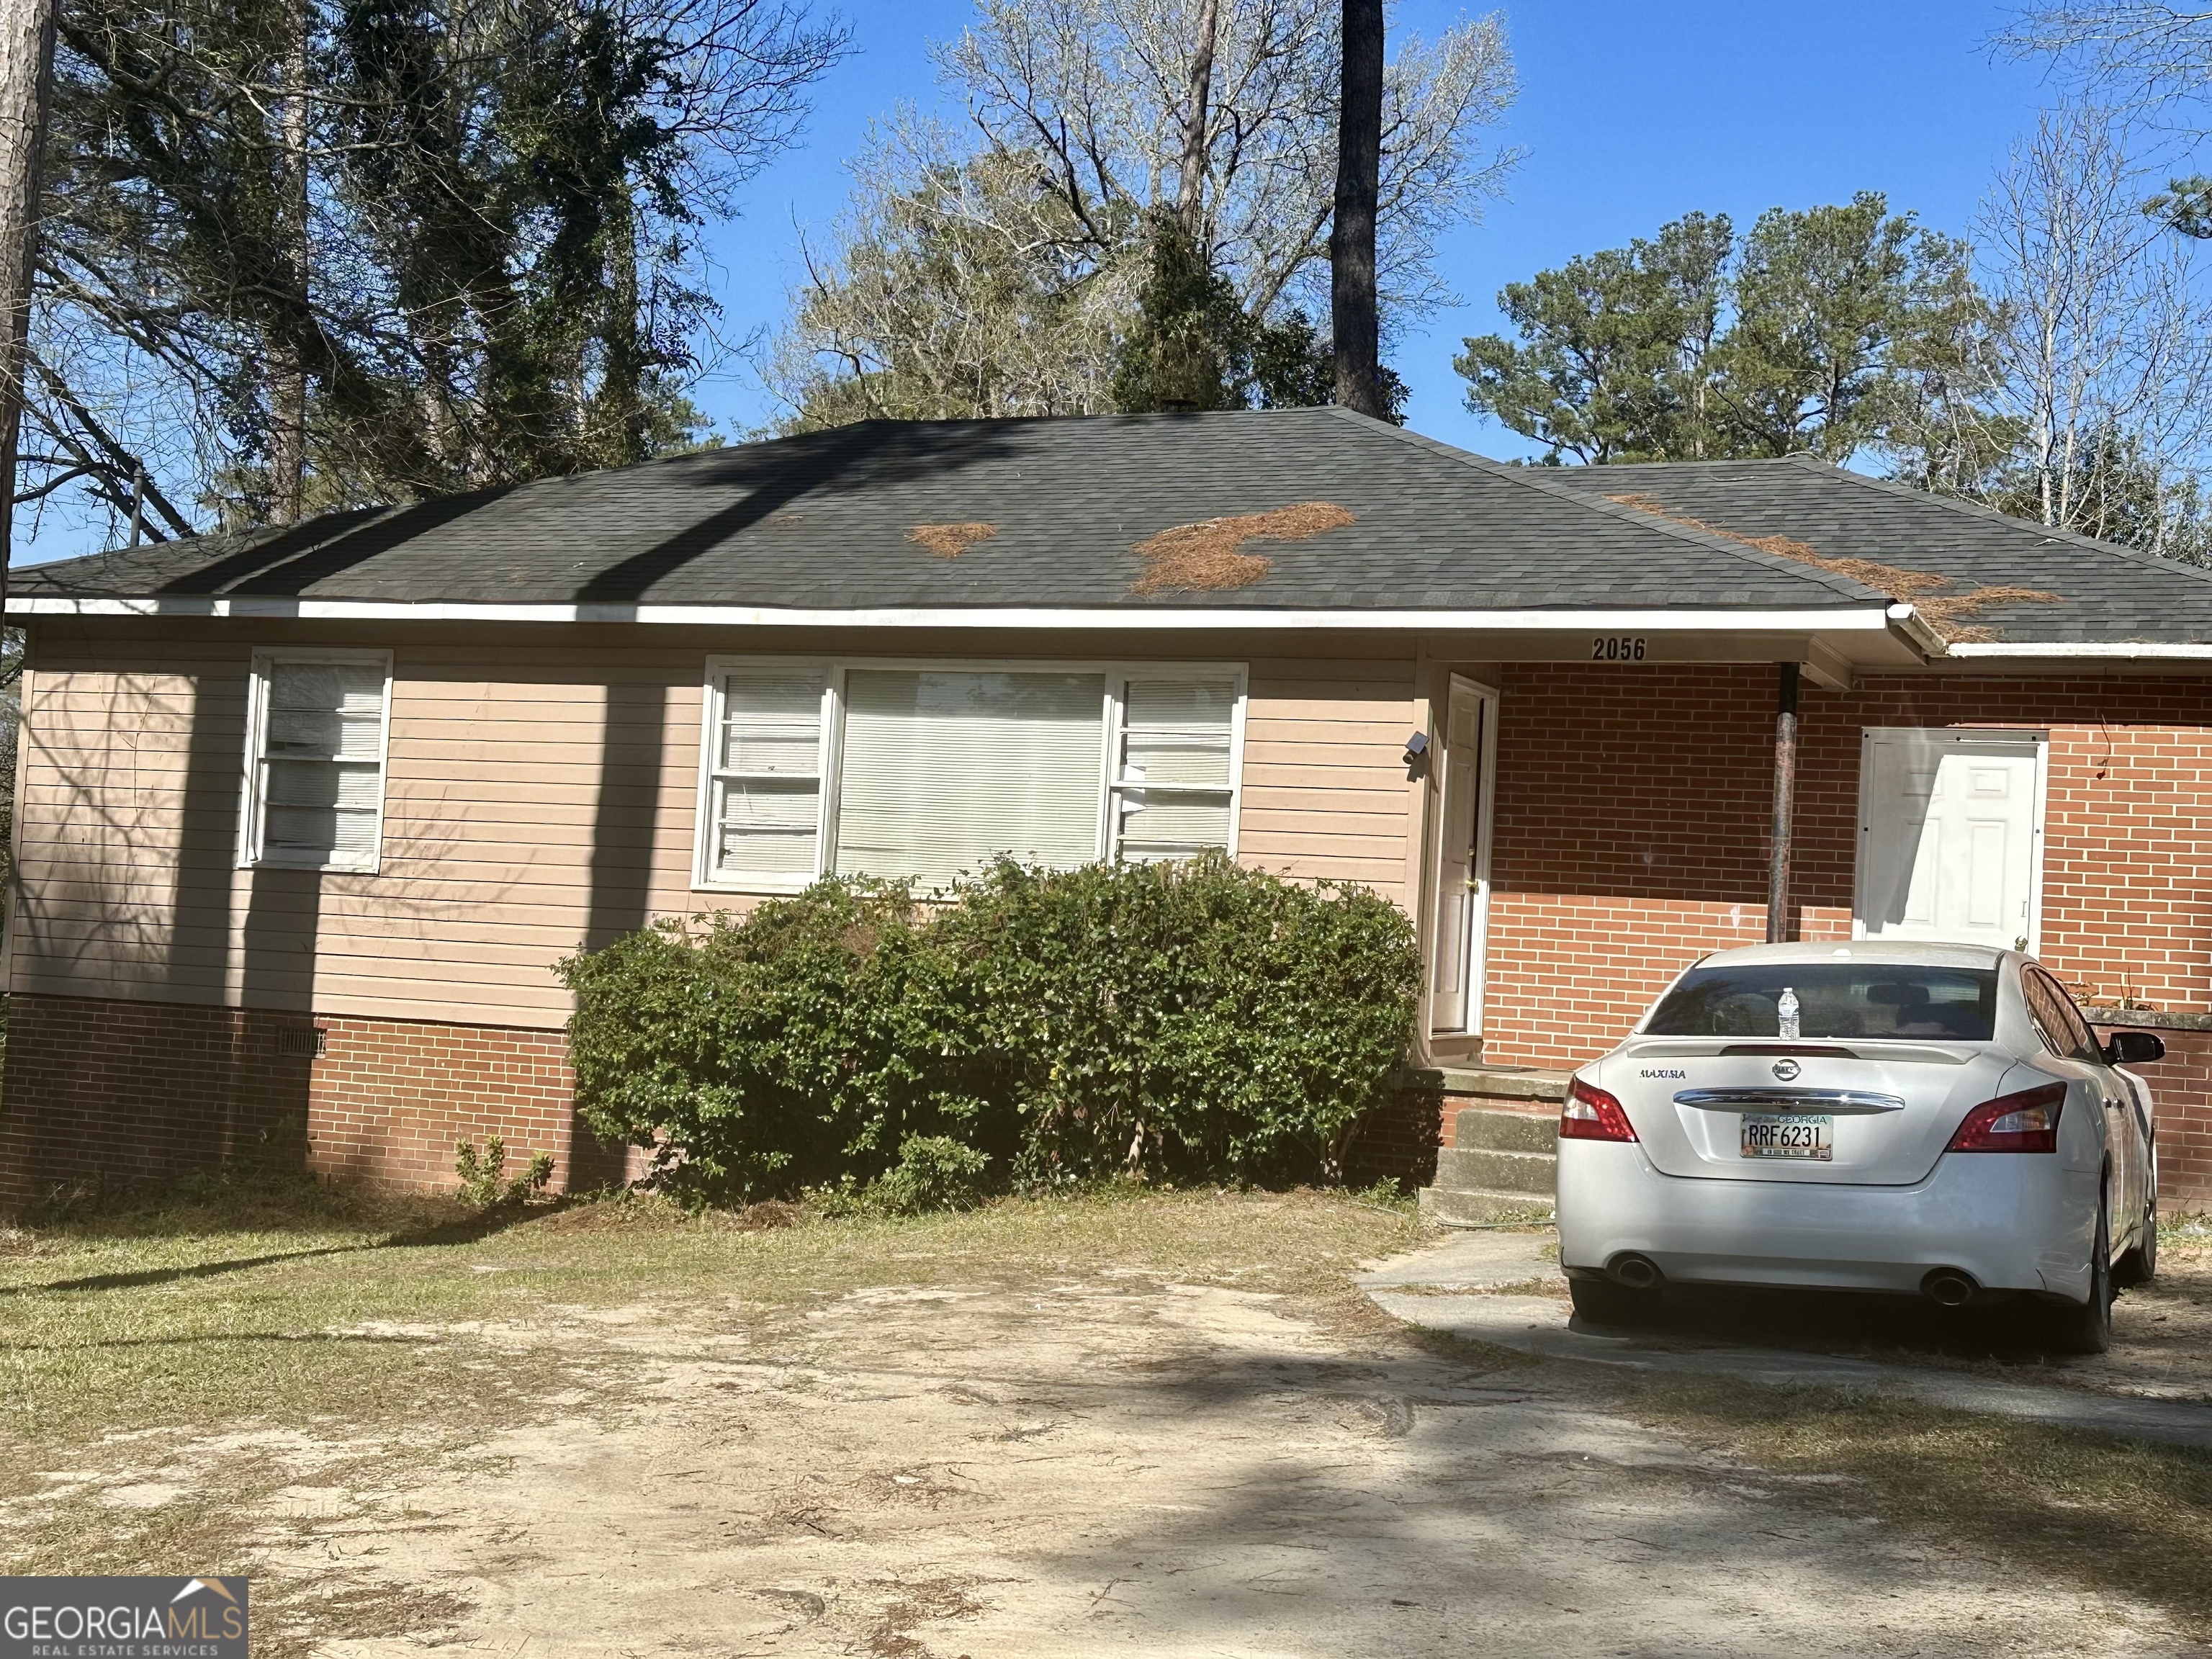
x: 106, y: 1093
x: 100, y: 1094
x: 390, y: 1099
x: 1631, y: 837
x: 1396, y: 1141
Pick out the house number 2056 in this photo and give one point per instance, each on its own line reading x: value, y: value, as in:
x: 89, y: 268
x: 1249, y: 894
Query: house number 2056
x: 1617, y: 647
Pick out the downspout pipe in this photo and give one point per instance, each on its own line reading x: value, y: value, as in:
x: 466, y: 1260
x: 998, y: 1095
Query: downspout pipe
x: 1781, y: 845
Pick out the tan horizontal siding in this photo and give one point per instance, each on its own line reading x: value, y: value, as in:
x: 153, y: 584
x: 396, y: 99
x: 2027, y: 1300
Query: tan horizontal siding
x: 539, y: 789
x: 1323, y: 793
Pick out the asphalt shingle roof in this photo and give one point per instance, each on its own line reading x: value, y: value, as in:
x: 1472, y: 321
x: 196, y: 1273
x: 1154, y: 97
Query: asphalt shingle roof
x: 2107, y: 595
x: 822, y: 521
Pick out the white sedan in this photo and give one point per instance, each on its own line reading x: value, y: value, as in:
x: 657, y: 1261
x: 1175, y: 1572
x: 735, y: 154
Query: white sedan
x: 1929, y: 1119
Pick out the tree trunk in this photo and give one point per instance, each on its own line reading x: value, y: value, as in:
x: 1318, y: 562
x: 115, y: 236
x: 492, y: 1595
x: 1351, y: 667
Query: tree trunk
x: 288, y: 372
x: 27, y: 68
x: 1353, y: 320
x: 1190, y: 196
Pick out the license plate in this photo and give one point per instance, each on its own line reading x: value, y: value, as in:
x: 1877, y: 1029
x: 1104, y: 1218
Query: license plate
x: 1789, y: 1134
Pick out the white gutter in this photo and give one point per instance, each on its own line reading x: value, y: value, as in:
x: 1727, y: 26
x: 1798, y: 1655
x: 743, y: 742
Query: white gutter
x: 2123, y: 651
x: 1857, y: 619
x: 1916, y: 627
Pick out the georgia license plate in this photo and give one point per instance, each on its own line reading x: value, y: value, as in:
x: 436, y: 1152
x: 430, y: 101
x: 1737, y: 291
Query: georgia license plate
x: 1789, y: 1134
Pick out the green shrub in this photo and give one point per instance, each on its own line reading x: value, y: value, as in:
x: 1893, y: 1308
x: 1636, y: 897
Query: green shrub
x: 482, y: 1173
x: 801, y: 1044
x: 1182, y: 1022
x: 933, y: 1172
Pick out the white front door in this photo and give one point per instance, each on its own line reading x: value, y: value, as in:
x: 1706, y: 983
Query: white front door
x: 1950, y: 837
x: 1462, y: 865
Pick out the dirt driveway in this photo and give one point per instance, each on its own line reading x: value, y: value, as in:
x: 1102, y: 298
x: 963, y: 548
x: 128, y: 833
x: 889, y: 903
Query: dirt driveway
x: 1161, y: 1428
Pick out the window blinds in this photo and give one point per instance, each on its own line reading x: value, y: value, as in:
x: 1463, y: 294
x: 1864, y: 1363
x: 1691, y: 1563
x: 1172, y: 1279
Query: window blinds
x: 766, y: 783
x: 322, y: 764
x: 943, y: 771
x: 1172, y: 786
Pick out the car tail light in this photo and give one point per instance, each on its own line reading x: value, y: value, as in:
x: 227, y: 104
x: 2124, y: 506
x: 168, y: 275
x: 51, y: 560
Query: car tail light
x: 1590, y: 1113
x: 2024, y: 1122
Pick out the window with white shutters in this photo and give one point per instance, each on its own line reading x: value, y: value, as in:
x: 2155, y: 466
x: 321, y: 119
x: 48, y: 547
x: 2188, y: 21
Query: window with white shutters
x: 924, y: 772
x: 764, y: 782
x: 318, y: 754
x: 1174, y: 784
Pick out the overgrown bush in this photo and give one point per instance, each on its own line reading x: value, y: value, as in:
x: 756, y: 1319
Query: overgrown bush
x: 1184, y: 1022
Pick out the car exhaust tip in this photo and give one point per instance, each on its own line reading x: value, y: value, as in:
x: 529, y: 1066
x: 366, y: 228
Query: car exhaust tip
x: 1949, y: 1288
x: 1638, y: 1273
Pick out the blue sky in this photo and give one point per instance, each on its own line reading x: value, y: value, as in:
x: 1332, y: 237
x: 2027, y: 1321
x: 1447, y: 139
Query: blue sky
x: 1631, y: 114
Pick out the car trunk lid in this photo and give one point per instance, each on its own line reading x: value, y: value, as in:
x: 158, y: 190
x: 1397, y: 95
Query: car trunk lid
x: 1853, y: 1112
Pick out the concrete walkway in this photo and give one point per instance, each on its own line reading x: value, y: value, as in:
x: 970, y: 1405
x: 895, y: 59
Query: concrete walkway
x: 1474, y: 1260
x: 1543, y: 1325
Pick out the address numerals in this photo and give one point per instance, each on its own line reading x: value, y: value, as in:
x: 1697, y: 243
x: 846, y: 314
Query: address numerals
x: 1617, y: 648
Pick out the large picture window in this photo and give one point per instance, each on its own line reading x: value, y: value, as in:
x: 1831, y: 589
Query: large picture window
x: 315, y: 755
x: 926, y: 771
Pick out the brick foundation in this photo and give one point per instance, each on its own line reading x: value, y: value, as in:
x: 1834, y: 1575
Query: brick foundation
x: 1396, y: 1141
x: 100, y: 1094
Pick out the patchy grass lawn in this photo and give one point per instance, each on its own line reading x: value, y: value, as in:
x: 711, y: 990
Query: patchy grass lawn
x: 287, y: 1306
x: 348, y: 1397
x: 2102, y: 1512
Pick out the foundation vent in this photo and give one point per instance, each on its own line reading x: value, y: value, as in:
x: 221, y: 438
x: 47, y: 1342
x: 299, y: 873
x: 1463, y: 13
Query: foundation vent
x: 308, y: 1043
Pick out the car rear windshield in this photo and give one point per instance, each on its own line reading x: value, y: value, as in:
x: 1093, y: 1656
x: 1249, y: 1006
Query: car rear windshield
x: 1834, y: 999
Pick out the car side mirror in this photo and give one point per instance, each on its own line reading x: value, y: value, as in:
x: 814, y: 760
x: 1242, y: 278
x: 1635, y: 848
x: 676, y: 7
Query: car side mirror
x: 2133, y: 1048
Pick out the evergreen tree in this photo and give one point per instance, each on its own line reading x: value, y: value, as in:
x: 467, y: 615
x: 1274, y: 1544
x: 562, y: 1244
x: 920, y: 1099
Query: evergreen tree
x: 359, y: 251
x: 1812, y: 334
x: 1192, y: 346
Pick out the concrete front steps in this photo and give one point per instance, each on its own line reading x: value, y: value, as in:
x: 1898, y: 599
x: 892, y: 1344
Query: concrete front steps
x: 1500, y: 1161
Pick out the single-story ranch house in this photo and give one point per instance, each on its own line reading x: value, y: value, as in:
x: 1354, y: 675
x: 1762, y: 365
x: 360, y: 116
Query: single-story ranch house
x: 305, y: 817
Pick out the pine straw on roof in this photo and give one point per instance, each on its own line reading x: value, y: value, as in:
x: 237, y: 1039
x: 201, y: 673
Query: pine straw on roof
x: 1208, y: 557
x: 950, y: 541
x: 1945, y: 613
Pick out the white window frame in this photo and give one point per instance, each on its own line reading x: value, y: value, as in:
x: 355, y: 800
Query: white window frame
x: 253, y: 811
x: 703, y: 878
x: 1117, y: 698
x: 1117, y: 674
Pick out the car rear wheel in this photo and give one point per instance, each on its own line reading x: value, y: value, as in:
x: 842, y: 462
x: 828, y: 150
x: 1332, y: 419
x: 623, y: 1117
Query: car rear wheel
x: 1602, y: 1302
x: 2086, y: 1327
x: 2139, y: 1264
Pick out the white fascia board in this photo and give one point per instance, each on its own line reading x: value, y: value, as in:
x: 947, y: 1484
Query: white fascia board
x: 1873, y: 618
x: 2087, y: 651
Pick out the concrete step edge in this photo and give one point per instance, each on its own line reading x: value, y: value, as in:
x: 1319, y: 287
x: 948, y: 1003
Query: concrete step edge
x: 1475, y: 1128
x: 1460, y: 1170
x: 1476, y: 1208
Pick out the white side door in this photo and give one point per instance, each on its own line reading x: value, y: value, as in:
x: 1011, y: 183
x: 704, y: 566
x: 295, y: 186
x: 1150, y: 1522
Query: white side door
x: 1462, y: 866
x: 1951, y: 836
